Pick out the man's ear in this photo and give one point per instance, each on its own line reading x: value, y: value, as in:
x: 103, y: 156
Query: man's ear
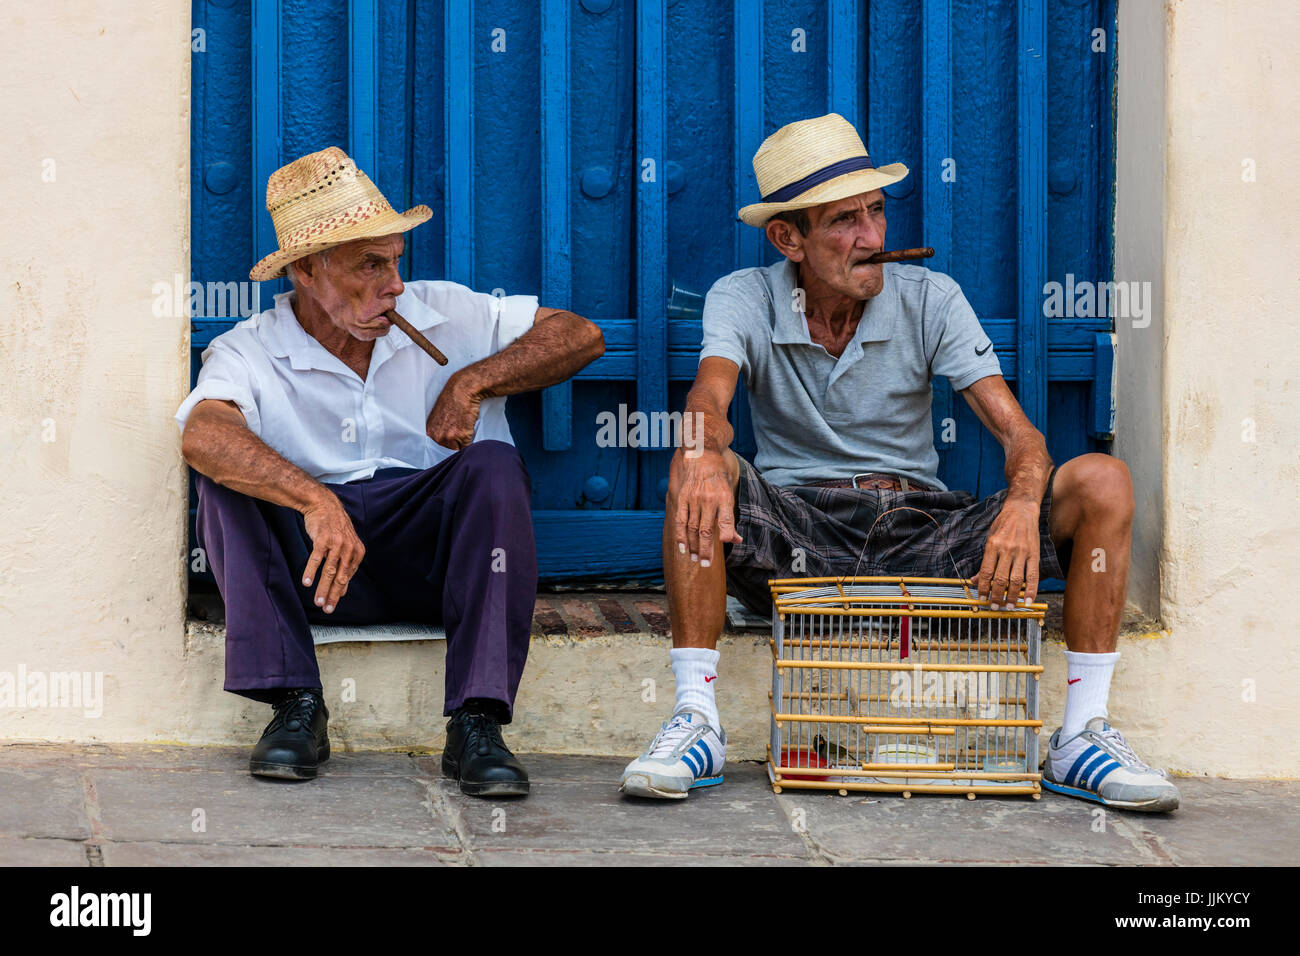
x: 309, y: 269
x: 786, y: 238
x: 301, y: 269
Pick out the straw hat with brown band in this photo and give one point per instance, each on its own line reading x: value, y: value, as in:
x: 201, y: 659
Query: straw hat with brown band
x: 811, y: 162
x: 322, y: 200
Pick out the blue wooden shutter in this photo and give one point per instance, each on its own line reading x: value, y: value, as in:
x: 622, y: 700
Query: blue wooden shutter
x: 533, y: 161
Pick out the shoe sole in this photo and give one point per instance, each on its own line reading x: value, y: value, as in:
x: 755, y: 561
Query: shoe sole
x: 288, y: 771
x: 509, y: 788
x: 639, y: 785
x: 493, y: 788
x: 1155, y: 805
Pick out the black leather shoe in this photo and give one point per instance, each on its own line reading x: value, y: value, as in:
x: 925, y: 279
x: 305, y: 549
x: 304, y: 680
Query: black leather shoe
x: 476, y: 756
x: 295, y: 740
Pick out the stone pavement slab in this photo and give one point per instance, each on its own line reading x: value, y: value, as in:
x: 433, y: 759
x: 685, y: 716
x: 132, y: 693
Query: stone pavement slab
x: 42, y: 802
x: 236, y: 808
x: 1228, y: 823
x: 886, y: 827
x: 175, y: 854
x: 25, y: 851
x: 494, y: 858
x: 738, y: 819
x: 148, y: 805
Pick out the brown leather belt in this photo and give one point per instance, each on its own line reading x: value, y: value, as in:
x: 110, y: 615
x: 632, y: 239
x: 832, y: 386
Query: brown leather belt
x: 872, y: 480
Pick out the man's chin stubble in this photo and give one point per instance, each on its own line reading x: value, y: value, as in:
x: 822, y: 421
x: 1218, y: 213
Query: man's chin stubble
x: 872, y: 289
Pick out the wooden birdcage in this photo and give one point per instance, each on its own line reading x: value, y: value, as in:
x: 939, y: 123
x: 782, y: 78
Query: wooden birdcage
x: 903, y: 684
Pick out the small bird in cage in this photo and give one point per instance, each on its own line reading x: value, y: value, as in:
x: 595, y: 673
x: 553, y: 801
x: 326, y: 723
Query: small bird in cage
x: 832, y: 753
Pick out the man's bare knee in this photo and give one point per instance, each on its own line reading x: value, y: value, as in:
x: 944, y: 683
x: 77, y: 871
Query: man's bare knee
x: 1102, y: 485
x: 1093, y: 488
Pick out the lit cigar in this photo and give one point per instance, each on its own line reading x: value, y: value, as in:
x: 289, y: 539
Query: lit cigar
x: 417, y: 336
x: 898, y: 255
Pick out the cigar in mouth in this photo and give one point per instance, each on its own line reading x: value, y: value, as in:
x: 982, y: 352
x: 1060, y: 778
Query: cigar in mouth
x: 899, y: 255
x: 416, y: 336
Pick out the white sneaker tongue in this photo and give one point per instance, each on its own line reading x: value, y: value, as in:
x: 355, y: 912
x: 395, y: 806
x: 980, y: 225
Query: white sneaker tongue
x: 1098, y: 724
x: 675, y: 732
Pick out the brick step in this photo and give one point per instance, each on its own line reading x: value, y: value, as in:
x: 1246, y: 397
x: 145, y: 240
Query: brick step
x: 597, y: 612
x: 563, y: 614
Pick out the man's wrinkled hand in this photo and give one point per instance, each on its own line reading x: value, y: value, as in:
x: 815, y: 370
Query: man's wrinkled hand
x: 705, y: 505
x: 336, y: 551
x: 455, y: 414
x: 1011, y: 556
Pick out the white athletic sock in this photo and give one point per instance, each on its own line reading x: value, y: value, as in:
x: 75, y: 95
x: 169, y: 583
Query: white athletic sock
x: 696, y: 671
x: 1088, y: 689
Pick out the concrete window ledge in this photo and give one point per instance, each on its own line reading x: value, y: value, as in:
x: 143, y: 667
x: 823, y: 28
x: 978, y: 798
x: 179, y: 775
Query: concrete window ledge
x: 598, y: 679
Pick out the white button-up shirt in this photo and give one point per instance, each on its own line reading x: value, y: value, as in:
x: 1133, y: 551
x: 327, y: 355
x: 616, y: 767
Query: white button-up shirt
x: 316, y: 412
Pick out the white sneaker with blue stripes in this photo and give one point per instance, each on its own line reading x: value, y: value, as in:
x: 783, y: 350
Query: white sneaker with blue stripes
x: 1098, y: 764
x: 685, y: 754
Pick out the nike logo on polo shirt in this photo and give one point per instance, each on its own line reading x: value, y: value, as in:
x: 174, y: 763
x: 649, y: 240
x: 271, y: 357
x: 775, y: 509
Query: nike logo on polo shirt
x: 985, y: 349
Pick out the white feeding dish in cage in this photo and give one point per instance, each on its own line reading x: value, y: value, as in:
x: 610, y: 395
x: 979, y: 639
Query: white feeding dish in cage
x: 904, y: 754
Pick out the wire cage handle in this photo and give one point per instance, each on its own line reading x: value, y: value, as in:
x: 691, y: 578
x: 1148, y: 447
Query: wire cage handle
x: 942, y: 537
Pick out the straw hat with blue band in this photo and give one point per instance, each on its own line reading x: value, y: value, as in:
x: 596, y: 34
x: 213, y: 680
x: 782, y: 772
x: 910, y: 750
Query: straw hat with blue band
x: 811, y: 162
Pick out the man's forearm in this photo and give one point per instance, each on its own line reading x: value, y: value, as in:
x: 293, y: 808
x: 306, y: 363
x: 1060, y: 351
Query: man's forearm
x: 552, y: 351
x: 232, y: 456
x: 1028, y: 467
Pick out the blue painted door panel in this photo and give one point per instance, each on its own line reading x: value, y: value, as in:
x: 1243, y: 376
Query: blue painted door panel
x: 594, y: 152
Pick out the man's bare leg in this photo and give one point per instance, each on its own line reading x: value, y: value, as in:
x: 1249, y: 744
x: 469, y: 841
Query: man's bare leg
x: 690, y: 749
x: 697, y: 596
x: 1092, y: 506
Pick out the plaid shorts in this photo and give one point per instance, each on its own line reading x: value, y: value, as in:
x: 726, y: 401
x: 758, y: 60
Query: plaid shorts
x: 830, y: 527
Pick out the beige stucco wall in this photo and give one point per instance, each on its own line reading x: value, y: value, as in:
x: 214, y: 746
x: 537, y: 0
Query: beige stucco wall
x: 94, y: 489
x: 1232, y: 328
x: 1204, y: 87
x: 95, y: 95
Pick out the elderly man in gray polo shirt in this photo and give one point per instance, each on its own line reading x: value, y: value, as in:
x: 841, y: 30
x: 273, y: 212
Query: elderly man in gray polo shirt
x: 838, y: 354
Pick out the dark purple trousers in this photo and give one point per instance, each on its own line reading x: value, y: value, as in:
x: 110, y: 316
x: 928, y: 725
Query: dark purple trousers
x: 452, y: 544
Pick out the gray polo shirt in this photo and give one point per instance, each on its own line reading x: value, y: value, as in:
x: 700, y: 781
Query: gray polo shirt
x: 816, y: 416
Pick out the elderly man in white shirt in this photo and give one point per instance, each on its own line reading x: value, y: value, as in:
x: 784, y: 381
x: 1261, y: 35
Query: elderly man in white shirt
x: 322, y: 436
